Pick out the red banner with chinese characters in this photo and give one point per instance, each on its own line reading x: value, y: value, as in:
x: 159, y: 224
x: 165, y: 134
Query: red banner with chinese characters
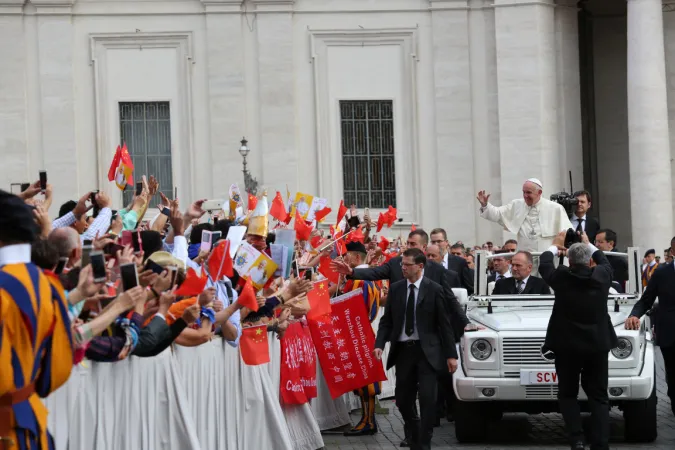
x: 344, y: 341
x: 298, y: 365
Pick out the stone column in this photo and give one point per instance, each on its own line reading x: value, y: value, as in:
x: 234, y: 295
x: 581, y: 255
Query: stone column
x: 454, y: 137
x: 569, y: 94
x: 57, y: 98
x: 648, y: 136
x: 274, y: 28
x: 528, y: 95
x: 13, y: 146
x: 225, y: 68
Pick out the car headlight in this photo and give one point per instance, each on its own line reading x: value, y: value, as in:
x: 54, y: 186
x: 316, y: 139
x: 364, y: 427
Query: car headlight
x: 624, y: 349
x: 481, y: 349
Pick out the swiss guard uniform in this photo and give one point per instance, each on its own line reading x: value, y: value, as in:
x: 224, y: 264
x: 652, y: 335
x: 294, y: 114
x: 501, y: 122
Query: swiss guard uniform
x: 371, y: 296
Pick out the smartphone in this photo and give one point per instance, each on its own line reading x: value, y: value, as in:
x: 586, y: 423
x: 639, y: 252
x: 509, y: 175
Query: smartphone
x: 98, y: 266
x: 173, y: 270
x: 129, y: 276
x: 86, y: 255
x: 294, y: 267
x: 215, y: 221
x: 175, y: 193
x: 308, y: 273
x: 126, y: 238
x: 216, y: 236
x: 156, y: 268
x: 43, y: 180
x: 61, y: 265
x: 112, y: 249
x: 212, y: 205
x: 139, y: 188
x: 207, y: 240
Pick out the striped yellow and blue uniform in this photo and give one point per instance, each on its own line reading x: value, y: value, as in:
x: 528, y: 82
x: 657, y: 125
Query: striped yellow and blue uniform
x: 36, y: 347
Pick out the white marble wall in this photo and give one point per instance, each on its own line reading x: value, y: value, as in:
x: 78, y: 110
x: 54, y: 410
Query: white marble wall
x: 484, y: 105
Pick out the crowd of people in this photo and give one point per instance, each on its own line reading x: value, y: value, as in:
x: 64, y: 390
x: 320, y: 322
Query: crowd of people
x: 58, y: 307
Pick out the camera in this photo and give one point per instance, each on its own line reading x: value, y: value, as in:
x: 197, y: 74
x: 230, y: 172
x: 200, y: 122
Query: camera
x: 571, y: 237
x: 566, y: 200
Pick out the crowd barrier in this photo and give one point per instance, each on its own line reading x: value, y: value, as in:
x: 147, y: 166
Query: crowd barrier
x: 201, y: 397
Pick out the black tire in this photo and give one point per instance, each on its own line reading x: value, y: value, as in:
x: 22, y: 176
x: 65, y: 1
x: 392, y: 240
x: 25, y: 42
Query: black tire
x: 640, y: 419
x: 470, y: 422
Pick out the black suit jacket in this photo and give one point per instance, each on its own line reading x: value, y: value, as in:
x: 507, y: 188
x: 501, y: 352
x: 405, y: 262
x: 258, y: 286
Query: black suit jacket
x: 534, y: 285
x: 662, y: 286
x: 591, y: 227
x: 431, y: 319
x: 391, y: 270
x: 459, y: 265
x: 579, y: 322
x: 619, y: 267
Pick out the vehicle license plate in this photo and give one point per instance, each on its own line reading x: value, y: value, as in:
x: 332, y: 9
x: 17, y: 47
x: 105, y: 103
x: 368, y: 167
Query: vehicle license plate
x: 530, y: 377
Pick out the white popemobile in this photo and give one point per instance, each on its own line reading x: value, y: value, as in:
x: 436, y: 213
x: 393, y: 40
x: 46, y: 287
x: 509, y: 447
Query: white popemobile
x: 502, y: 369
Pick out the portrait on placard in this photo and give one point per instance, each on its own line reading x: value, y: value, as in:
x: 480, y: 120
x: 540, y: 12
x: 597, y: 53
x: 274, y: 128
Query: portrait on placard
x: 307, y: 205
x: 256, y: 265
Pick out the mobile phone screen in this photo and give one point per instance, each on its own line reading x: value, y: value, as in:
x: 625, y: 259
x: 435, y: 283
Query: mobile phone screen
x: 86, y: 252
x: 175, y: 193
x: 15, y: 188
x: 126, y: 238
x: 98, y: 266
x: 139, y: 188
x: 129, y: 276
x: 207, y: 237
x: 156, y: 268
x: 173, y: 270
x: 308, y: 274
x: 60, y: 266
x: 24, y: 187
x: 43, y: 180
x: 215, y: 237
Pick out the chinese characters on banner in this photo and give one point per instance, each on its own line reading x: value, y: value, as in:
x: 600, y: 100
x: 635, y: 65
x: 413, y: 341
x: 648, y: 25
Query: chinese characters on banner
x: 298, y: 365
x: 344, y: 341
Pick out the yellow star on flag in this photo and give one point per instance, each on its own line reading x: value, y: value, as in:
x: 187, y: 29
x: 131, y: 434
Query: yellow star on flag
x: 258, y: 331
x: 321, y: 286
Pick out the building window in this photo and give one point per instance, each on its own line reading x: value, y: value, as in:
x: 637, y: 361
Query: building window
x: 146, y: 128
x: 368, y: 153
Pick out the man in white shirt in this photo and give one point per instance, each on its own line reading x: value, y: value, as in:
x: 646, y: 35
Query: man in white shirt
x: 534, y: 219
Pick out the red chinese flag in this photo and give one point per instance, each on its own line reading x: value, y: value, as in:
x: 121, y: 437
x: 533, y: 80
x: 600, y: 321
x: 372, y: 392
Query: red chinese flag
x: 220, y: 261
x: 383, y: 244
x: 391, y: 216
x: 316, y: 241
x: 115, y: 163
x: 326, y: 270
x: 278, y: 209
x: 321, y: 214
x: 319, y: 300
x: 302, y: 230
x: 247, y: 296
x: 342, y: 210
x: 253, y: 345
x: 340, y: 245
x: 413, y: 227
x: 388, y: 257
x: 193, y: 285
x: 356, y: 236
x: 252, y: 201
x: 381, y: 221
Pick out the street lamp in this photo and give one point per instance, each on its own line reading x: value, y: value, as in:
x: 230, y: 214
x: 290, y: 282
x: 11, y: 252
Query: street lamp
x: 250, y: 183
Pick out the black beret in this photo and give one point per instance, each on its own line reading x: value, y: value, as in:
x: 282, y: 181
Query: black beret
x: 356, y: 247
x: 17, y: 224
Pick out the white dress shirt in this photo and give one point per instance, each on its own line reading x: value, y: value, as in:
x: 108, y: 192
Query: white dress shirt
x: 575, y: 222
x: 15, y: 254
x: 499, y: 276
x: 415, y: 335
x: 445, y: 260
x: 523, y: 281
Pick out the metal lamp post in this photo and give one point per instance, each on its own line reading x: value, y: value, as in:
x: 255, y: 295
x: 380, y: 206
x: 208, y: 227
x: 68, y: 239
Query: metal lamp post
x: 250, y: 183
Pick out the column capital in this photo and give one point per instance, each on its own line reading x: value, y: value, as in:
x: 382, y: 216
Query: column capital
x: 222, y: 5
x: 273, y: 5
x: 12, y: 6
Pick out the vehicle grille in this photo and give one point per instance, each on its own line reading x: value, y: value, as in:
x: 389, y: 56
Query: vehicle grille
x: 524, y: 351
x: 547, y: 392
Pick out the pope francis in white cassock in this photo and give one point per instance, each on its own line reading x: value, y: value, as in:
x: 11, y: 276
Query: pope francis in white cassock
x: 534, y: 219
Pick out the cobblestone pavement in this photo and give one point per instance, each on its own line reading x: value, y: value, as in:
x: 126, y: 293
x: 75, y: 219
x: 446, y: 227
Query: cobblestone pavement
x: 513, y: 432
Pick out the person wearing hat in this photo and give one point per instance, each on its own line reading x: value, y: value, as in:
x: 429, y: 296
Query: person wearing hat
x: 36, y: 348
x: 356, y: 258
x: 534, y: 219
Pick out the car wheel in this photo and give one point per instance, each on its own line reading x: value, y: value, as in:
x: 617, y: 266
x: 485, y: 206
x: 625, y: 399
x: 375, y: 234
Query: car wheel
x: 640, y: 419
x: 470, y: 422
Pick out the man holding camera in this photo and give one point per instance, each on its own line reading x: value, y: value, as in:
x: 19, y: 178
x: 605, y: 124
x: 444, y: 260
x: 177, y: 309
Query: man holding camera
x: 580, y: 335
x: 534, y: 219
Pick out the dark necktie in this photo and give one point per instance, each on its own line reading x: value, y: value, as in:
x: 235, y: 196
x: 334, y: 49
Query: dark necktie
x: 410, y: 312
x: 580, y: 228
x: 520, y: 286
